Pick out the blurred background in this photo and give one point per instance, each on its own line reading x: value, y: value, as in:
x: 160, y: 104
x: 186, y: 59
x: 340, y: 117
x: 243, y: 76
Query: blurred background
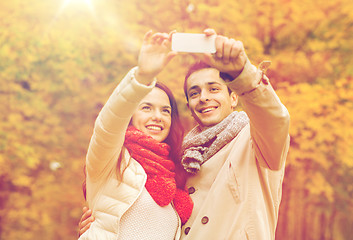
x: 61, y: 59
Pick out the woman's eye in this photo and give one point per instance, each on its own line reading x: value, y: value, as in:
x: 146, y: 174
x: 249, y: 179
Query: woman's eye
x: 214, y: 89
x: 146, y: 108
x: 167, y: 111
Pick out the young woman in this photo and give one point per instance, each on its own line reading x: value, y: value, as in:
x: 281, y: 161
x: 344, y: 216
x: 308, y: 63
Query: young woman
x: 132, y: 164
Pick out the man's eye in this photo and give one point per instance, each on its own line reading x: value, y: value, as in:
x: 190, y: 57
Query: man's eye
x: 193, y: 94
x: 214, y: 89
x: 146, y: 108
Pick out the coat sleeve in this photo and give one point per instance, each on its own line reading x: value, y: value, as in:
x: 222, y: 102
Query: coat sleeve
x: 269, y: 118
x: 111, y: 124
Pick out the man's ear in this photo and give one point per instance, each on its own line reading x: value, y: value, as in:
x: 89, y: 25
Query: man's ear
x: 234, y: 99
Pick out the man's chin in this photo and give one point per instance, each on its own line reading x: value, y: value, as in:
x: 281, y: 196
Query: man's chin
x: 207, y: 122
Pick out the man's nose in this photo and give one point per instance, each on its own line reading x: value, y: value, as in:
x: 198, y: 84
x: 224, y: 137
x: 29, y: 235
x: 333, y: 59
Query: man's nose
x: 204, y: 96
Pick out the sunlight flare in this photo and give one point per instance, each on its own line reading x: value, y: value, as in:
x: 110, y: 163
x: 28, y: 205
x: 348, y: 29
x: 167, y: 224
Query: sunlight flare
x: 76, y: 4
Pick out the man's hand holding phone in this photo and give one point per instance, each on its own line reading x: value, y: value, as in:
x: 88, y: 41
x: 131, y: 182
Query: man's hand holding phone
x: 223, y: 53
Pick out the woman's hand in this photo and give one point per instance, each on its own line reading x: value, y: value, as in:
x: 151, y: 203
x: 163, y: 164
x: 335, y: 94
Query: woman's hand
x: 85, y: 221
x: 230, y: 56
x: 155, y: 54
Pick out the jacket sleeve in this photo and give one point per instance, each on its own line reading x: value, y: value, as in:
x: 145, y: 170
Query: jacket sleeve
x: 111, y: 124
x: 269, y: 118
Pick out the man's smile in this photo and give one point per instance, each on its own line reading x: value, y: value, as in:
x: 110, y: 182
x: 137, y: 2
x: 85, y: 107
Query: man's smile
x: 207, y: 109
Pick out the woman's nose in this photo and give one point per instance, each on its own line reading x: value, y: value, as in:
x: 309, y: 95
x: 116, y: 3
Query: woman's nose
x: 157, y: 116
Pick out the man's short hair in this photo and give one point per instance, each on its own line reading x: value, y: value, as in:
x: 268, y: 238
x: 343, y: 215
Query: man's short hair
x: 194, y: 68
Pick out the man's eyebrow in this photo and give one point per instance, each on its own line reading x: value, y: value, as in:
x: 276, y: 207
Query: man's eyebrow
x: 208, y: 83
x: 193, y: 87
x: 211, y: 83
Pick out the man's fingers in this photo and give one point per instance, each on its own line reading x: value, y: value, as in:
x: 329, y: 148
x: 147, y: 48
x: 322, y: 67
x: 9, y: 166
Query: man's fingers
x: 86, y: 222
x: 82, y: 230
x: 84, y: 225
x: 227, y: 48
x: 219, y: 45
x: 86, y: 215
x: 236, y: 50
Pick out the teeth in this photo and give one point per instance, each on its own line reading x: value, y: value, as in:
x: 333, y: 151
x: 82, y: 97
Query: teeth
x: 154, y: 128
x: 207, y: 110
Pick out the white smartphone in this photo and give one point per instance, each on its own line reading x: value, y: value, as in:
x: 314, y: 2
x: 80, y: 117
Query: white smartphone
x: 193, y: 43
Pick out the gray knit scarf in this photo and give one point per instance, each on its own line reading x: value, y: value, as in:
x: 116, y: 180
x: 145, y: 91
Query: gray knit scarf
x: 200, y: 145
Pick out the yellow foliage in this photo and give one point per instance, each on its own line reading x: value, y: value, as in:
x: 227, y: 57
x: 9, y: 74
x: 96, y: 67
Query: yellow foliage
x: 22, y: 180
x: 14, y: 117
x: 47, y: 220
x: 32, y: 162
x: 319, y: 186
x: 58, y: 68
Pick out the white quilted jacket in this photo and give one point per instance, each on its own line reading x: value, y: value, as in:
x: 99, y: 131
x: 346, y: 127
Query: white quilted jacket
x: 108, y: 198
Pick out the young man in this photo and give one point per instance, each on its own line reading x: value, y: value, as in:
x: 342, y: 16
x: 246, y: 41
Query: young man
x: 236, y: 160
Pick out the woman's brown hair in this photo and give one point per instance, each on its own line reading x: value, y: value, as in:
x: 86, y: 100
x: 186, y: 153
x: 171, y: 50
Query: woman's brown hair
x: 174, y: 140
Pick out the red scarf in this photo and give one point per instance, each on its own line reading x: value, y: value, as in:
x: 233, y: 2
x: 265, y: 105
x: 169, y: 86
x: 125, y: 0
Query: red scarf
x: 154, y: 158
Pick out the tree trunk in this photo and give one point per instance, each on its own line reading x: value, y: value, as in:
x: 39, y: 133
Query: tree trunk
x: 331, y: 223
x: 323, y: 226
x: 3, y: 200
x: 284, y: 219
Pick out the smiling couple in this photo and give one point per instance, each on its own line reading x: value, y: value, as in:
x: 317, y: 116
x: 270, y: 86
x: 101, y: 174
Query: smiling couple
x: 222, y: 181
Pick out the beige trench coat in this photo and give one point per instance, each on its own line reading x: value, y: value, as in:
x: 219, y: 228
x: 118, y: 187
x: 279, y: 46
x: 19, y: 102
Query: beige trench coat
x: 238, y: 191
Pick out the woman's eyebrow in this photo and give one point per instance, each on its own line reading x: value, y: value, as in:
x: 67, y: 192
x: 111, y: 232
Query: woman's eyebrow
x: 146, y: 103
x: 150, y: 104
